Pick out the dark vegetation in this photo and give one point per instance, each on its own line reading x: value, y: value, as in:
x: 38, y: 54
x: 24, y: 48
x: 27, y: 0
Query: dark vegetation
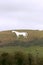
x: 34, y: 42
x: 19, y: 58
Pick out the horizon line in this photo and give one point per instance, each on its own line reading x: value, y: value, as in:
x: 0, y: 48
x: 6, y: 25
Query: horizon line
x: 21, y: 29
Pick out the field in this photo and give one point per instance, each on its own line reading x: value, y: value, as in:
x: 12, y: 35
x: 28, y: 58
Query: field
x: 33, y: 50
x: 13, y: 48
x: 32, y: 44
x: 35, y: 37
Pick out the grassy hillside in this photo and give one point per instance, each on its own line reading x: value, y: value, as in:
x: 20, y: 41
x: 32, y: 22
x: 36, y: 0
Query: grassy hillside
x: 33, y: 50
x: 35, y: 37
x: 31, y: 46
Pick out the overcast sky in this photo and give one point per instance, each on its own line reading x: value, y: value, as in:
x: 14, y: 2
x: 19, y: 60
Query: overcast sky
x: 21, y: 14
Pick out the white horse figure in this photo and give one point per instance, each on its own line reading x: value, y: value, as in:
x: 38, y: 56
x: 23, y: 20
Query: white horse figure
x: 20, y: 33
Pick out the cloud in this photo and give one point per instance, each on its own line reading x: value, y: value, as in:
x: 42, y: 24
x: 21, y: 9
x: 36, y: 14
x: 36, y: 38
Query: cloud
x: 19, y: 14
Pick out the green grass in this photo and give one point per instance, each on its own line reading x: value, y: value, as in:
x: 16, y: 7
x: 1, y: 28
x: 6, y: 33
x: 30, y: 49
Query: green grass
x: 33, y: 50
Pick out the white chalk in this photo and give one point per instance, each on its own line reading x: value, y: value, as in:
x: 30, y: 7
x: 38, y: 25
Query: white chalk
x: 20, y: 33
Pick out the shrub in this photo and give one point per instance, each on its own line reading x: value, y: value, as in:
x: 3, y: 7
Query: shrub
x: 18, y: 58
x: 6, y: 59
x: 30, y: 59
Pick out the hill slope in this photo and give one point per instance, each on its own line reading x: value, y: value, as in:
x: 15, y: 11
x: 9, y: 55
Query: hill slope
x: 34, y: 37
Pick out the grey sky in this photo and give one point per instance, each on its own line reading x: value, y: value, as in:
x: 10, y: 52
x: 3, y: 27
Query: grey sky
x: 21, y: 14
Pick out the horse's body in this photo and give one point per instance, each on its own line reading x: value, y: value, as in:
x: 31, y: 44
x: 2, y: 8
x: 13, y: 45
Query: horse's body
x: 20, y: 33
